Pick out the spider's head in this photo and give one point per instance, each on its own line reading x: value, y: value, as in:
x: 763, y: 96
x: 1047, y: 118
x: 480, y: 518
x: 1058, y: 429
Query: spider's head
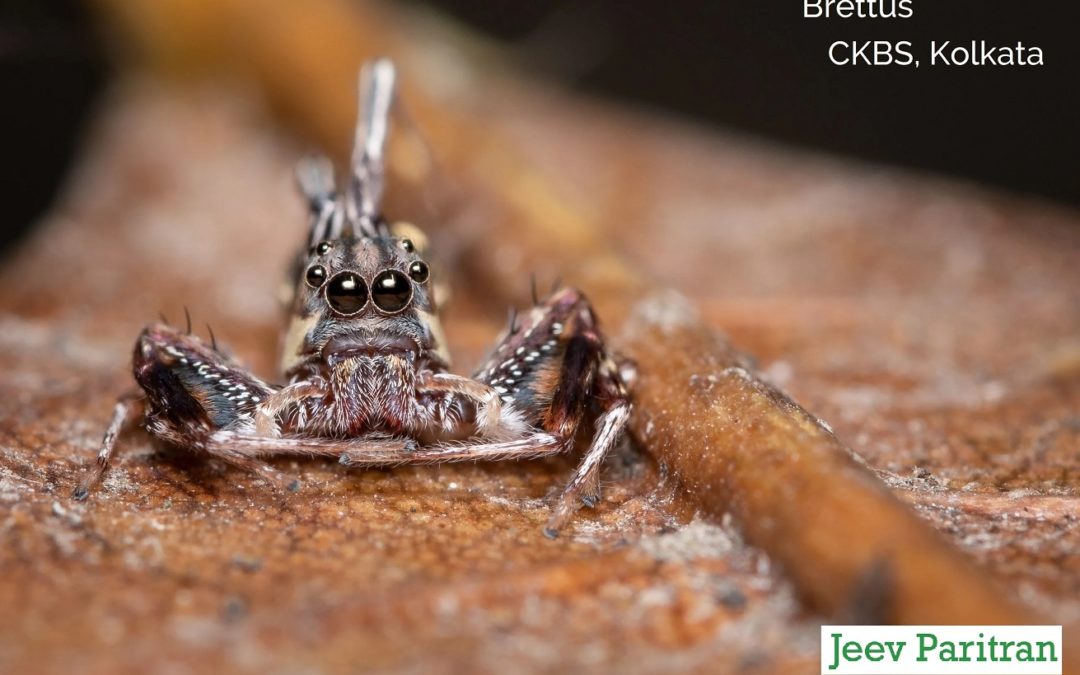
x: 364, y: 287
x: 364, y: 295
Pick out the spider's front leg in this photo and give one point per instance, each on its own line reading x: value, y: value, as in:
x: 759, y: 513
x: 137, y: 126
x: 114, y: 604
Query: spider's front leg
x: 130, y: 406
x: 550, y: 368
x: 190, y: 392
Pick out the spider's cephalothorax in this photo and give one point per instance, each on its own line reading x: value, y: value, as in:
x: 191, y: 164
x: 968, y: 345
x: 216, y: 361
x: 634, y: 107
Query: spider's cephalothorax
x: 365, y: 363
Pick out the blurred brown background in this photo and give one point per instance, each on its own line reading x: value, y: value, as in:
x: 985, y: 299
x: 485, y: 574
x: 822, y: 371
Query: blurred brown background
x: 888, y: 432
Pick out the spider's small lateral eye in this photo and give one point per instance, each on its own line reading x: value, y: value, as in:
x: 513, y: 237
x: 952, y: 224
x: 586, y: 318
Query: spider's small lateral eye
x: 315, y: 276
x: 407, y: 245
x: 391, y: 291
x: 323, y: 247
x: 419, y: 272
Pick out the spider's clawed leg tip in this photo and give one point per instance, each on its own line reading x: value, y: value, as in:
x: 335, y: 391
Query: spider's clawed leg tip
x: 294, y: 486
x: 551, y: 532
x: 344, y: 459
x: 590, y: 500
x: 80, y: 493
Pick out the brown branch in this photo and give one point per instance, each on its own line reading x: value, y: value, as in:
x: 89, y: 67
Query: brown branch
x: 741, y: 446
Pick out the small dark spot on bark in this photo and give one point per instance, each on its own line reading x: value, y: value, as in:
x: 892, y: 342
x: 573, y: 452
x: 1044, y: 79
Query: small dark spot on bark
x: 247, y: 563
x: 732, y: 598
x: 234, y: 610
x: 752, y: 661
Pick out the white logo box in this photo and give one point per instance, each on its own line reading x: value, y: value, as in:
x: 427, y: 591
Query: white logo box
x: 896, y: 650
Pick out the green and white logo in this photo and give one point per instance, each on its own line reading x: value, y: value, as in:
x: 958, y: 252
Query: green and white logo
x: 941, y: 650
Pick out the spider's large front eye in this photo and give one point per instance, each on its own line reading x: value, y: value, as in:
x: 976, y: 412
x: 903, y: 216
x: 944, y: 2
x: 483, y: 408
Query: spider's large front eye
x: 391, y: 291
x: 346, y: 293
x: 315, y: 276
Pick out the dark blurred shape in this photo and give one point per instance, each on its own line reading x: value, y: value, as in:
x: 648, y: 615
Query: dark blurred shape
x: 762, y: 67
x: 756, y: 66
x: 51, y: 69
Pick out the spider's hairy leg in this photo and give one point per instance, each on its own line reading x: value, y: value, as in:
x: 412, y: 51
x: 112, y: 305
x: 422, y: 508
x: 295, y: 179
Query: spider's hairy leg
x: 552, y: 367
x: 190, y: 391
x: 128, y: 407
x: 239, y: 447
x: 383, y: 451
x: 584, y: 484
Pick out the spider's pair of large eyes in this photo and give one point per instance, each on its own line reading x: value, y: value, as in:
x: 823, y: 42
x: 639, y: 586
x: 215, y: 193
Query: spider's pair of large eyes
x: 347, y: 293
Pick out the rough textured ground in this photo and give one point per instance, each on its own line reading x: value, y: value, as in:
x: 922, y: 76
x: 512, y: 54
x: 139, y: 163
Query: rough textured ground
x: 935, y: 327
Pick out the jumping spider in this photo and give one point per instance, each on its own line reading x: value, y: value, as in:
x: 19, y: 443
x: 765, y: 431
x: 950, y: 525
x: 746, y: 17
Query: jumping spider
x: 366, y: 363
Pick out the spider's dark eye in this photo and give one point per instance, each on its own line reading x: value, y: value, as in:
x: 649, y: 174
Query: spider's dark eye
x: 346, y: 293
x: 419, y: 272
x: 315, y: 276
x: 323, y: 248
x: 407, y: 245
x: 391, y: 291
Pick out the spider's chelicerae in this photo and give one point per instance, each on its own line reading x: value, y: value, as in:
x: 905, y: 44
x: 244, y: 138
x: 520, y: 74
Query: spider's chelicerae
x: 365, y: 360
